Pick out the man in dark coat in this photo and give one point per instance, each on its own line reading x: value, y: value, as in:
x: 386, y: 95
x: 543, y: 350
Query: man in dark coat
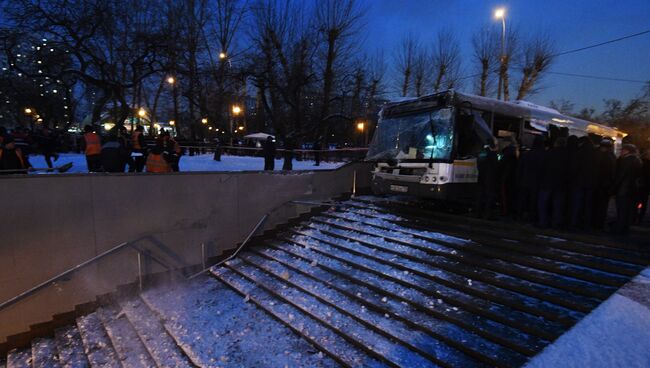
x: 48, y: 143
x: 114, y: 155
x: 584, y: 174
x: 289, y: 146
x: 269, y: 153
x: 625, y: 188
x: 528, y: 176
x: 508, y: 177
x: 553, y: 185
x: 12, y: 160
x: 488, y: 180
x: 606, y: 163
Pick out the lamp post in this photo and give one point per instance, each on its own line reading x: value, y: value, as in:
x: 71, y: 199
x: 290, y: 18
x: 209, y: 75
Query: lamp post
x: 236, y: 110
x: 501, y: 14
x: 172, y: 81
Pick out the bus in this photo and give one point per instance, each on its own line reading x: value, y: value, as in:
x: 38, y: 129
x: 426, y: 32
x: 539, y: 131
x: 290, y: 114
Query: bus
x: 428, y: 146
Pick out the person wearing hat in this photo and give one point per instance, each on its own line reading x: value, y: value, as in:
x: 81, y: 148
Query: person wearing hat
x: 606, y: 160
x: 12, y: 160
x: 625, y: 187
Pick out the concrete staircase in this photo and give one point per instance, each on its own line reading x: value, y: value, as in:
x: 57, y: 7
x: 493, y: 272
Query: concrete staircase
x: 366, y: 283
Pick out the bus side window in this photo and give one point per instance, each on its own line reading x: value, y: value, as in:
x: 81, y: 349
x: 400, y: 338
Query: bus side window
x: 505, y: 124
x: 468, y: 142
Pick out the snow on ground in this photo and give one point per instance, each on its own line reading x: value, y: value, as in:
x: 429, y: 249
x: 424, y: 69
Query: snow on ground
x: 195, y: 163
x: 616, y: 334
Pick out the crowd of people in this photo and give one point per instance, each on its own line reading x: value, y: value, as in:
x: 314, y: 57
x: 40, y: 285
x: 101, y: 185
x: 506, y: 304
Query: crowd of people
x: 118, y: 151
x: 565, y: 184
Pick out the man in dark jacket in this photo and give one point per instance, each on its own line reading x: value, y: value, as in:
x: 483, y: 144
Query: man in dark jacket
x: 508, y: 177
x: 584, y: 174
x: 269, y: 153
x: 626, y: 181
x: 553, y: 185
x: 528, y: 176
x: 48, y: 143
x: 114, y: 155
x: 606, y: 162
x: 488, y: 180
x: 12, y: 160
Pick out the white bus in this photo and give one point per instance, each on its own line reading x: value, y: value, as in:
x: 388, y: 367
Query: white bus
x: 428, y: 146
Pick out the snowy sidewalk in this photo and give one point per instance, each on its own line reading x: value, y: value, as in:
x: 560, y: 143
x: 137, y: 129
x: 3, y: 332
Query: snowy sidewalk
x: 616, y: 334
x: 196, y: 163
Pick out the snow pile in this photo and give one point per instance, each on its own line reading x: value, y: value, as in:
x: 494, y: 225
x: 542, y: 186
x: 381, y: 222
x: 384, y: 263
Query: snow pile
x: 196, y: 163
x: 616, y: 334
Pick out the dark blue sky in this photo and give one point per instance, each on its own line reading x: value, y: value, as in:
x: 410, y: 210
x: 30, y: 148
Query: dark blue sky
x: 570, y: 23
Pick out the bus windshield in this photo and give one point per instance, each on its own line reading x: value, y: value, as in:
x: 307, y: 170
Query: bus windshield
x: 422, y: 136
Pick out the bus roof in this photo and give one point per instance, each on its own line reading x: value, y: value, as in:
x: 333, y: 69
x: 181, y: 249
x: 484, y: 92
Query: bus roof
x: 539, y: 116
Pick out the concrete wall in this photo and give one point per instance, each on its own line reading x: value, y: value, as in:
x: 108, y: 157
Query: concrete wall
x: 50, y: 223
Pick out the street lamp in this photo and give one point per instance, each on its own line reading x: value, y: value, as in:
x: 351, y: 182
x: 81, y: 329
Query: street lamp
x: 171, y: 80
x: 500, y: 13
x: 142, y: 113
x: 28, y: 111
x: 222, y: 55
x: 172, y: 122
x: 236, y: 110
x: 204, y: 120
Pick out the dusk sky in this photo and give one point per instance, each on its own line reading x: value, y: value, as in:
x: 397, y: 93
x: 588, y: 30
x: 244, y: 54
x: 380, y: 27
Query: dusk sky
x: 571, y: 24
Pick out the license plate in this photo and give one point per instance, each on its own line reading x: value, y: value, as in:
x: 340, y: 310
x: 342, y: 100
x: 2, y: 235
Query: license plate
x: 399, y: 188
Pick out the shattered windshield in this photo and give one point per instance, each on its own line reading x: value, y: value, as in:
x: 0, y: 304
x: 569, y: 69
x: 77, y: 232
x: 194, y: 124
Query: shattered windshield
x: 422, y: 136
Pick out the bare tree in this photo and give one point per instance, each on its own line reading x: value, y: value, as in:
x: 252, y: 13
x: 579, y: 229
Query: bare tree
x: 510, y: 48
x: 337, y: 23
x: 537, y: 57
x: 562, y: 105
x: 446, y: 59
x: 421, y: 72
x: 486, y: 56
x: 405, y: 60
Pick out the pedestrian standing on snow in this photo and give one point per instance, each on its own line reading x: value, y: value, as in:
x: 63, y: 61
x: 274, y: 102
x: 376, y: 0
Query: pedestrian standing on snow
x: 317, y: 148
x: 114, y: 156
x: 553, y: 185
x: 488, y: 180
x: 289, y: 146
x: 12, y: 160
x: 528, y: 177
x: 156, y: 161
x: 92, y: 144
x: 508, y: 177
x: 625, y: 188
x: 48, y: 145
x: 139, y: 149
x: 606, y: 163
x: 269, y: 153
x: 584, y: 174
x: 172, y: 151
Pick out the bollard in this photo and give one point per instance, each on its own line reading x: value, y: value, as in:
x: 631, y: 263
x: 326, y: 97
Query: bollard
x: 354, y: 183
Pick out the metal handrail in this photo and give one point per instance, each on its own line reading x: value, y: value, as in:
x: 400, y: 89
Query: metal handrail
x: 56, y: 278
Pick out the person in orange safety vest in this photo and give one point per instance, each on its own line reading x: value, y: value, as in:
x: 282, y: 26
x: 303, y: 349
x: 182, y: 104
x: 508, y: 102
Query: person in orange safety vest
x: 156, y: 162
x: 93, y: 149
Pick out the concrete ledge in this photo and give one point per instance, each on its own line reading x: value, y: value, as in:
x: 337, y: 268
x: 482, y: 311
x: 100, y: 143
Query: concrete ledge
x: 50, y: 223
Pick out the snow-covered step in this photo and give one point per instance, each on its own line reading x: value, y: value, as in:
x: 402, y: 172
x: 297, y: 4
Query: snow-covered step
x: 346, y: 352
x: 429, y: 301
x: 161, y: 346
x: 97, y: 344
x: 370, y: 250
x: 70, y: 348
x: 531, y: 259
x: 45, y: 353
x: 454, y: 344
x: 19, y: 358
x: 317, y: 251
x: 216, y: 327
x: 128, y: 346
x: 474, y: 268
x: 495, y: 260
x: 384, y: 335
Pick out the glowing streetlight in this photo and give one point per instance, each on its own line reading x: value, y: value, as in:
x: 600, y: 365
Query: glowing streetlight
x: 210, y: 128
x: 172, y: 122
x: 500, y: 13
x: 236, y: 110
x: 142, y: 113
x: 361, y: 126
x: 222, y: 55
x: 241, y: 127
x: 28, y: 111
x: 171, y: 80
x: 204, y: 120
